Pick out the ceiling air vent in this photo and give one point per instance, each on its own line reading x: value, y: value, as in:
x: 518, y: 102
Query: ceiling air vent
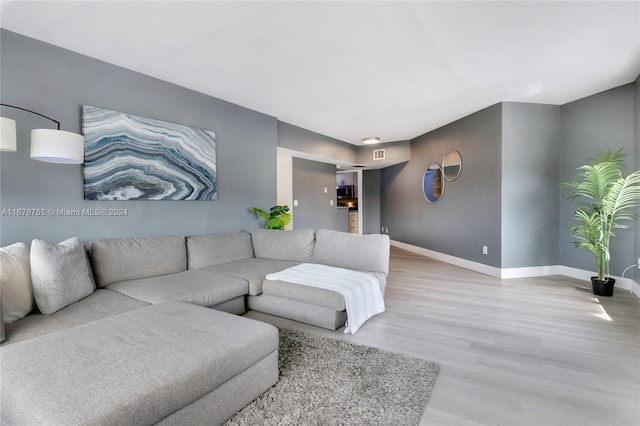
x: 378, y: 154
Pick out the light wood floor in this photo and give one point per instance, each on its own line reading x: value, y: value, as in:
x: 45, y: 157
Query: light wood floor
x: 533, y: 351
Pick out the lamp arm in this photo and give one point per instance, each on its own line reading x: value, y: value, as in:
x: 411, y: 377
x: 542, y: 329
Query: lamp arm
x: 33, y: 112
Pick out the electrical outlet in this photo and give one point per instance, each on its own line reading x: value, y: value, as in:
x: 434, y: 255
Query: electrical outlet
x: 330, y: 202
x: 484, y: 249
x: 382, y: 229
x: 295, y: 203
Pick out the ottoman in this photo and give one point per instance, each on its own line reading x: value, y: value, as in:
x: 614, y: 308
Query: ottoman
x: 169, y: 363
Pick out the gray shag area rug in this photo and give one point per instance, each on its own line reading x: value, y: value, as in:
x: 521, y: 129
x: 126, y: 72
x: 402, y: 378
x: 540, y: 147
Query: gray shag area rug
x: 326, y: 381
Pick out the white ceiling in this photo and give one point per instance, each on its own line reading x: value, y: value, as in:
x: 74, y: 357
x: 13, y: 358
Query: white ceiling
x: 352, y: 69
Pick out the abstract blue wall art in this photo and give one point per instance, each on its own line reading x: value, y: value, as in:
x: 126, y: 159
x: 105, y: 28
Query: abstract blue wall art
x: 127, y: 157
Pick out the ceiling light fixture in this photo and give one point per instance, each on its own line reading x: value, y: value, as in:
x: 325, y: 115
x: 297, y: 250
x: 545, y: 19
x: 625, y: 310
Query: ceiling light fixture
x: 370, y: 140
x: 52, y: 146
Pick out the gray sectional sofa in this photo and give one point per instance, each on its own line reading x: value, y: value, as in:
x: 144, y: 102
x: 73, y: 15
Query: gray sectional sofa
x: 146, y: 335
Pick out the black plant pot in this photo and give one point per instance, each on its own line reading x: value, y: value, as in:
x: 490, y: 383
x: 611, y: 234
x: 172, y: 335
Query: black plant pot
x: 602, y: 288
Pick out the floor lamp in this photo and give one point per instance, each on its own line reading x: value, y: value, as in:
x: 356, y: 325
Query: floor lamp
x: 50, y: 145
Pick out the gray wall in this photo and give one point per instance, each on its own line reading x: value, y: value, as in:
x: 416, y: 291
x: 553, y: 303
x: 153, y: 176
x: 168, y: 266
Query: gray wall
x: 507, y: 197
x: 530, y: 176
x: 314, y: 209
x: 307, y: 174
x: 477, y: 209
x: 395, y: 153
x: 302, y: 140
x: 468, y: 215
x: 57, y: 82
x: 596, y: 123
x: 371, y: 202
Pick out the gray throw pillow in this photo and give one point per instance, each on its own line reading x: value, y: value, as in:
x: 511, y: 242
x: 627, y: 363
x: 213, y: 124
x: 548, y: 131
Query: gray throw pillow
x: 60, y: 274
x: 15, y: 282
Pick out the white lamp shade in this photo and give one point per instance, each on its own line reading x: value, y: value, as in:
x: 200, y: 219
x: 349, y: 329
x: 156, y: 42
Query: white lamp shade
x: 7, y: 134
x: 57, y: 146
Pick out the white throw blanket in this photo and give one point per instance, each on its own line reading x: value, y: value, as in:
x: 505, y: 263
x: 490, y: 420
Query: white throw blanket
x: 361, y: 291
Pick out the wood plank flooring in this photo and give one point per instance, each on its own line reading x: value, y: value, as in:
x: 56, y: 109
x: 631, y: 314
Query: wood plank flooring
x: 529, y: 351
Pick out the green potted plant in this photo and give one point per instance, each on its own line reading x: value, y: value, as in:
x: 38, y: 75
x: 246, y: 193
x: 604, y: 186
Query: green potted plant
x: 606, y: 197
x: 277, y: 218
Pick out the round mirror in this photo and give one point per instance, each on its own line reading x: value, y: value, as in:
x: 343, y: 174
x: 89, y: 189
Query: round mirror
x: 452, y: 165
x: 433, y: 183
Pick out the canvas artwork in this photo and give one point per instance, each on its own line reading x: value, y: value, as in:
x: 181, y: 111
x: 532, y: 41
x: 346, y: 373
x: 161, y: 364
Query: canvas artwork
x: 127, y: 157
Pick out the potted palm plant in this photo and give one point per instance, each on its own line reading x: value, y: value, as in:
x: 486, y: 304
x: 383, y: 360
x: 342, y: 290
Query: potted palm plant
x: 606, y: 198
x: 277, y: 218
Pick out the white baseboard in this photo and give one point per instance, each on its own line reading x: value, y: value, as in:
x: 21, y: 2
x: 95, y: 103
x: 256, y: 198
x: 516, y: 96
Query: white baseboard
x: 506, y: 273
x: 463, y: 263
x: 581, y: 274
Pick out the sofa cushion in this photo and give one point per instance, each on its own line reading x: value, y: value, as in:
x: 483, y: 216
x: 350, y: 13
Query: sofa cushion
x: 192, y: 286
x: 304, y: 293
x: 129, y: 369
x: 15, y: 282
x: 307, y: 313
x: 293, y: 246
x: 369, y: 253
x: 253, y: 270
x: 313, y: 295
x: 217, y: 249
x: 60, y: 274
x: 100, y: 304
x: 120, y: 259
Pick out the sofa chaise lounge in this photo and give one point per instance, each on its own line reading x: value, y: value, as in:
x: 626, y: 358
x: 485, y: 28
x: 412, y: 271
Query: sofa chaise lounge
x: 154, y: 341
